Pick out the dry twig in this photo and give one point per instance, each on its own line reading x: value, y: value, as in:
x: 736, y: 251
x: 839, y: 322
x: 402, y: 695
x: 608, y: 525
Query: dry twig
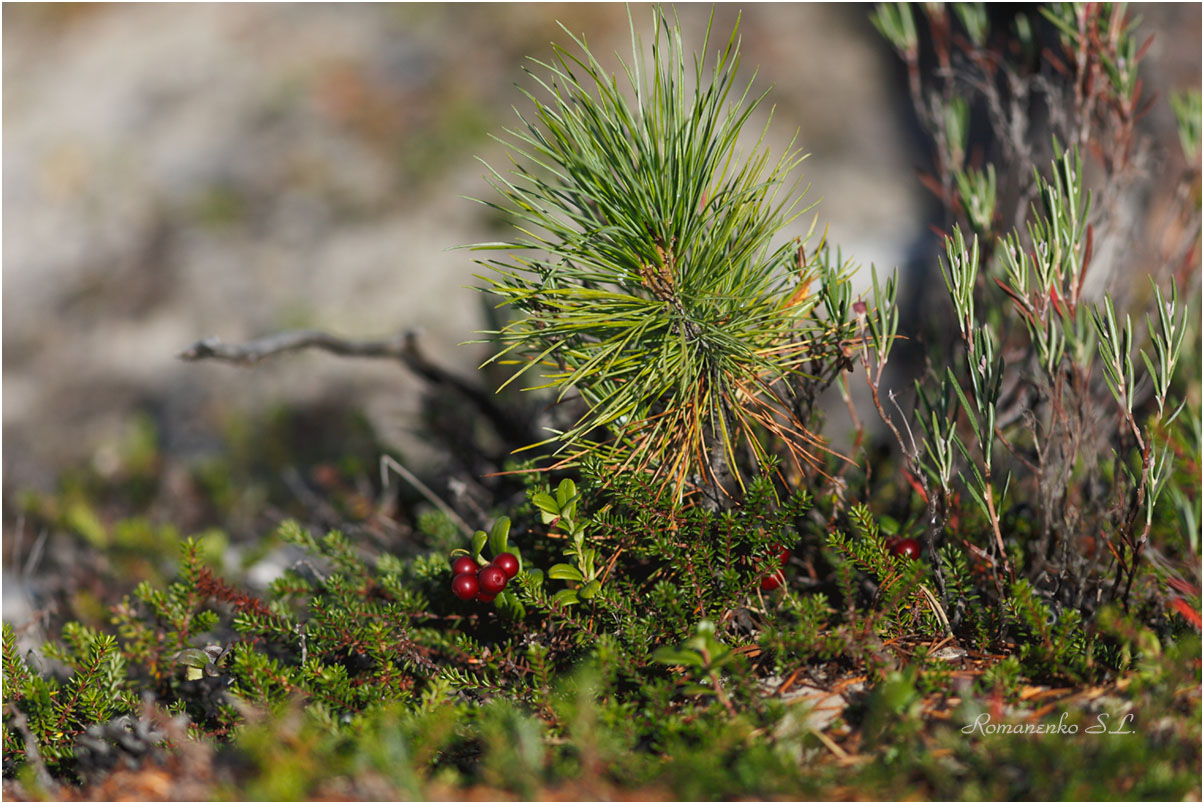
x: 402, y: 347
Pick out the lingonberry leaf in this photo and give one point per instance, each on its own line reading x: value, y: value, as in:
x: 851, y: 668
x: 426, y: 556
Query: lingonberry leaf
x: 549, y: 509
x: 478, y: 543
x: 676, y: 656
x: 565, y: 572
x: 565, y: 597
x: 499, y: 536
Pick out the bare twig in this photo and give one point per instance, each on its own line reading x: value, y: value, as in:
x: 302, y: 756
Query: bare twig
x: 993, y: 516
x: 402, y: 347
x: 253, y: 351
x: 387, y: 463
x: 831, y: 745
x: 915, y: 450
x: 938, y: 610
x: 299, y: 630
x: 858, y: 428
x: 873, y: 382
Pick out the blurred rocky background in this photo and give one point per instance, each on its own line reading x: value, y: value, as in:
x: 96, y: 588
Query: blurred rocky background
x: 178, y: 171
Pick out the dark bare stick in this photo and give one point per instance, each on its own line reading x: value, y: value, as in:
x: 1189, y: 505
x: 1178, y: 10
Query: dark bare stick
x: 398, y: 347
x: 402, y: 347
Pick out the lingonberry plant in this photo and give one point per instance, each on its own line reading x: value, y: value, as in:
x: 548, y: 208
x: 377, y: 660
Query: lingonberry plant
x: 473, y: 578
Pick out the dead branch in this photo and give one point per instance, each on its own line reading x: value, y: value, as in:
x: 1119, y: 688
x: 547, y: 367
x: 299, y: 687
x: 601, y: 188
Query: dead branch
x: 399, y: 347
x: 402, y: 347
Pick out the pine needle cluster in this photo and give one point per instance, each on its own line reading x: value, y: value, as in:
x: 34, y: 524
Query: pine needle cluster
x: 645, y: 280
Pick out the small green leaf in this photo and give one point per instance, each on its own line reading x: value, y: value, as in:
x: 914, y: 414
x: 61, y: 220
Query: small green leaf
x: 565, y: 597
x: 478, y: 543
x: 499, y: 535
x: 566, y: 491
x: 675, y: 656
x: 588, y: 591
x: 566, y: 498
x: 589, y: 557
x: 549, y: 509
x: 565, y: 572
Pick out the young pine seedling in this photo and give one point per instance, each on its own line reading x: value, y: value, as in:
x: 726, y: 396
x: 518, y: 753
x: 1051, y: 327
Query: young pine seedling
x: 644, y: 284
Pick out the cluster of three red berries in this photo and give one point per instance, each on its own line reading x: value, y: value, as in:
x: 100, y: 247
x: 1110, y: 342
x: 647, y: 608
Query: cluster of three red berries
x: 472, y: 582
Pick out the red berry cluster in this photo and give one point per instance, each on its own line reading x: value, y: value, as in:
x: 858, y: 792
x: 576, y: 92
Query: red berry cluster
x: 908, y: 548
x: 771, y: 582
x: 483, y: 584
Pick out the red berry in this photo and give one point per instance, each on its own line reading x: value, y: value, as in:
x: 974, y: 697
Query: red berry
x: 771, y: 582
x: 485, y: 598
x: 492, y: 579
x: 464, y: 564
x: 465, y: 586
x: 908, y: 548
x: 509, y: 564
x: 783, y: 554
